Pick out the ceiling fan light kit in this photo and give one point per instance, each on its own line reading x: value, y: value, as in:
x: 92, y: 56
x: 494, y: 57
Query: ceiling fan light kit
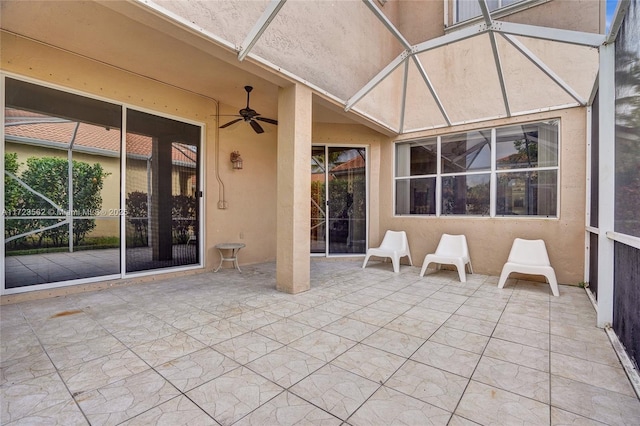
x: 250, y: 116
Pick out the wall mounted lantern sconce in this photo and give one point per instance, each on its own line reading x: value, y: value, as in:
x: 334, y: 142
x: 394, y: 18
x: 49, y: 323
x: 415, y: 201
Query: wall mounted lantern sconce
x: 236, y: 160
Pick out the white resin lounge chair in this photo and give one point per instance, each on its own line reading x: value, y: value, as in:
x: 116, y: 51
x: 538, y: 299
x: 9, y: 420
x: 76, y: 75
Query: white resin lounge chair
x: 452, y: 250
x: 529, y: 257
x: 394, y: 245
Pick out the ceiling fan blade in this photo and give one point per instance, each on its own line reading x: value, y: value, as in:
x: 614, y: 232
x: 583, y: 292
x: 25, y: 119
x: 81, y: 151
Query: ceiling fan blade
x: 256, y: 126
x: 230, y: 123
x: 267, y: 120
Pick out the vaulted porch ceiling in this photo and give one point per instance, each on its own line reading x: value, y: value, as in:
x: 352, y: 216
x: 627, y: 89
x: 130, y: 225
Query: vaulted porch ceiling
x: 483, y: 71
x: 488, y: 70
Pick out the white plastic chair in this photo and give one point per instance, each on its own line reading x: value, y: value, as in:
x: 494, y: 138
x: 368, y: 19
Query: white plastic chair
x: 394, y: 245
x: 529, y: 257
x: 451, y: 250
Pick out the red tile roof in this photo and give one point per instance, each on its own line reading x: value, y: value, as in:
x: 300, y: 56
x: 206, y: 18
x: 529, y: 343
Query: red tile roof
x: 46, y: 129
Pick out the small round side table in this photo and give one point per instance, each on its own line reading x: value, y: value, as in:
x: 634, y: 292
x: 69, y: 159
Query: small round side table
x: 233, y: 255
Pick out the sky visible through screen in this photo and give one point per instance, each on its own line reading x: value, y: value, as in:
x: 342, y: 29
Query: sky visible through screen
x: 611, y: 9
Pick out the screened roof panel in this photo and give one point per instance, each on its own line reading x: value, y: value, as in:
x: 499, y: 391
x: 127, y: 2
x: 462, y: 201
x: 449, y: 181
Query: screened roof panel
x: 576, y: 65
x: 528, y: 88
x: 383, y: 103
x: 422, y: 110
x: 465, y: 78
x: 344, y: 49
x: 339, y: 53
x: 229, y: 20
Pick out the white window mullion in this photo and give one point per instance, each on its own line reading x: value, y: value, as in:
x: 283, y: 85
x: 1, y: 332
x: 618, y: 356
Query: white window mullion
x: 2, y: 225
x: 438, y: 177
x: 123, y: 192
x: 493, y: 185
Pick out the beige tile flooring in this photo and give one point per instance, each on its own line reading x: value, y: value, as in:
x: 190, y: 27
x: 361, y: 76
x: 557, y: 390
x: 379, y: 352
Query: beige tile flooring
x: 362, y: 347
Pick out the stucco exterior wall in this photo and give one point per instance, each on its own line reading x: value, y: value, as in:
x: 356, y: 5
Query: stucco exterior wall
x: 490, y: 239
x: 249, y: 194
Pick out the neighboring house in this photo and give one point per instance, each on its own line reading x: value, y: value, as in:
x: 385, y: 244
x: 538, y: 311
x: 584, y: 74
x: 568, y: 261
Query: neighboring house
x: 31, y: 134
x: 446, y: 101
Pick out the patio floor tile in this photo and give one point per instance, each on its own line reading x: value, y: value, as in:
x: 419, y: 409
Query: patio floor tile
x: 361, y: 347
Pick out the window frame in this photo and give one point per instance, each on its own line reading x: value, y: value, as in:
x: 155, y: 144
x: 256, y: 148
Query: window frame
x: 494, y: 173
x: 495, y: 14
x: 125, y: 106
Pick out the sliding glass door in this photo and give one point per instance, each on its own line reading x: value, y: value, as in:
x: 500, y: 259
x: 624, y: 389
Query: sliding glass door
x: 338, y: 200
x: 162, y: 192
x: 61, y: 186
x: 68, y: 217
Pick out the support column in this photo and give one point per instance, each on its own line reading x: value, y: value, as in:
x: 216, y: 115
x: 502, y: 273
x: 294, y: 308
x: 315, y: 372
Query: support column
x: 606, y: 185
x: 294, y: 183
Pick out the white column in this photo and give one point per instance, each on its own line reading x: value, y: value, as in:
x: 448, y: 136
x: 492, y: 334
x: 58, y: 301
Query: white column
x: 606, y: 186
x: 294, y: 189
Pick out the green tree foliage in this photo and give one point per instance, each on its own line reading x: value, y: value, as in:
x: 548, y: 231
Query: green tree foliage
x: 13, y: 194
x: 137, y: 213
x: 49, y: 176
x: 183, y: 217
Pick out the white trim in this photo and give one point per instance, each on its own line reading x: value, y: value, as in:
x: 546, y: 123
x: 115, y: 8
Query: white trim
x: 446, y: 12
x: 375, y: 120
x: 2, y: 120
x: 449, y: 38
x: 386, y: 22
x: 295, y: 78
x: 493, y: 183
x: 438, y: 177
x: 259, y: 27
x: 484, y: 12
x: 627, y: 364
x: 432, y: 89
x: 403, y: 105
x: 618, y: 18
x: 483, y: 120
x: 498, y: 63
x: 544, y: 68
x: 547, y: 33
x: 587, y: 219
x: 606, y: 183
x: 364, y: 90
x: 629, y: 240
x: 593, y: 230
x: 123, y: 191
x: 59, y: 284
x: 498, y: 13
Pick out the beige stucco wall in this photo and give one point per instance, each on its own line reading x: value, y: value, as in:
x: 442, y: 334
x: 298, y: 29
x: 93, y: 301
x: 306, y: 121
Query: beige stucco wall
x: 490, y: 239
x: 249, y: 194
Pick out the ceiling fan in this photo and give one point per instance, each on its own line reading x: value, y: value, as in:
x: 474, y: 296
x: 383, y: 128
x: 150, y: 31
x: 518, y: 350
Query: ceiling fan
x: 251, y: 116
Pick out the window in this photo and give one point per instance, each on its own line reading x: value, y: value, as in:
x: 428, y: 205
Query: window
x: 416, y: 169
x: 64, y: 210
x: 507, y: 171
x: 468, y: 9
